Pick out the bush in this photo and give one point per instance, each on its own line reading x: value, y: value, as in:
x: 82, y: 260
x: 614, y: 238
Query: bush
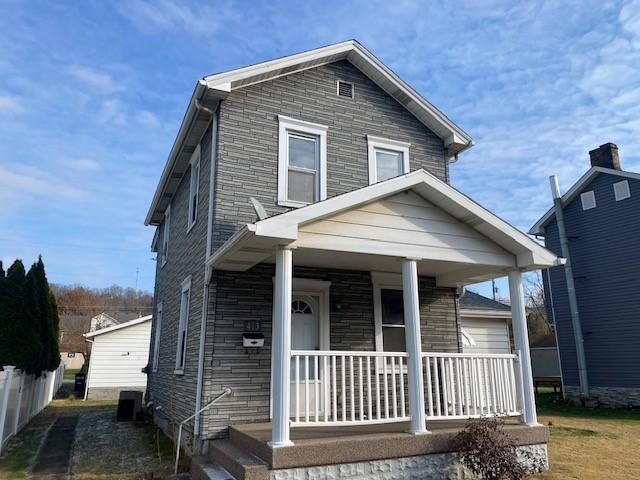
x: 490, y: 453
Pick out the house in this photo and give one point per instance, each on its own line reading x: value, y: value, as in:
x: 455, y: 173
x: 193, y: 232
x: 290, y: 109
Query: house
x: 118, y: 355
x: 72, y: 342
x: 600, y: 213
x: 102, y: 320
x: 545, y: 362
x: 484, y: 324
x: 310, y: 252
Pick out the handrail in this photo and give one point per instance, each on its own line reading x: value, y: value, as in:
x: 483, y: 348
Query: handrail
x: 226, y: 391
x: 469, y: 355
x: 346, y: 353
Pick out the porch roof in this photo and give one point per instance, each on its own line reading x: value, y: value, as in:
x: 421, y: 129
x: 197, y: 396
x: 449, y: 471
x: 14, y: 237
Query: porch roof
x: 453, y: 238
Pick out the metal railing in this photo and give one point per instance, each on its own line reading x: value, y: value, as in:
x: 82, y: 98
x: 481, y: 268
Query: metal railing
x: 226, y: 391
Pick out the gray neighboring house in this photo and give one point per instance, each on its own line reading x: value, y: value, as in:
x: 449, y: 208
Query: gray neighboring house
x: 484, y: 324
x: 602, y: 217
x: 310, y: 255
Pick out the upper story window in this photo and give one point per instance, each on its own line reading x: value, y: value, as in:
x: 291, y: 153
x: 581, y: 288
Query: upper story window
x: 156, y: 337
x: 387, y: 158
x: 181, y: 347
x: 165, y: 236
x: 194, y: 188
x: 302, y: 162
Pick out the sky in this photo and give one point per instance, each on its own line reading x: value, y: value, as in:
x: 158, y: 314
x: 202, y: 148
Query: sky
x: 92, y: 94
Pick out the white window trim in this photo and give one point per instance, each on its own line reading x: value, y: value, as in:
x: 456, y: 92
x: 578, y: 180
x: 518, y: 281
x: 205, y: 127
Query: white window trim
x: 621, y: 190
x: 156, y: 337
x: 586, y: 198
x: 285, y: 125
x: 374, y: 143
x: 186, y: 287
x: 164, y: 254
x: 195, y: 164
x: 380, y: 280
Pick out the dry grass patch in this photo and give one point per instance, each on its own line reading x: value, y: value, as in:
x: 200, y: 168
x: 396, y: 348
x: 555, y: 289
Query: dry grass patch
x: 590, y: 444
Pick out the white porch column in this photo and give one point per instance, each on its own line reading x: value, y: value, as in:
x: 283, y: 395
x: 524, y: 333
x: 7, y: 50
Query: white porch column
x: 414, y: 346
x: 280, y: 349
x: 521, y: 339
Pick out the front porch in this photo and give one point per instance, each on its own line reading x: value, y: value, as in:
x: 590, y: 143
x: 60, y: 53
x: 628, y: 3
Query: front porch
x: 412, y: 227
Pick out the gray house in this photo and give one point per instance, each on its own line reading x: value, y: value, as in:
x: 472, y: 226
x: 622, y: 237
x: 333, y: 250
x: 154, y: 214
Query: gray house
x: 310, y: 254
x: 602, y: 222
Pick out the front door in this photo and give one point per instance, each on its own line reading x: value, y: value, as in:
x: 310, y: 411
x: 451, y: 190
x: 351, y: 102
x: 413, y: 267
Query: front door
x: 305, y: 335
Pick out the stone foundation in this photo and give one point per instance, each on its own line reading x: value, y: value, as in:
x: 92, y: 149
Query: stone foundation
x: 439, y: 466
x: 616, y: 397
x: 102, y: 393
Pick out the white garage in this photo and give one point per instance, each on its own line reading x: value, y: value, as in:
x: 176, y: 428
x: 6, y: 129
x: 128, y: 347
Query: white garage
x: 485, y: 324
x: 118, y: 355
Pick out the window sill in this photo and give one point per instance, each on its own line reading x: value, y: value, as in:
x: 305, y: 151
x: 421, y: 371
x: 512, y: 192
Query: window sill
x: 190, y: 227
x: 292, y: 204
x: 164, y: 262
x: 178, y: 371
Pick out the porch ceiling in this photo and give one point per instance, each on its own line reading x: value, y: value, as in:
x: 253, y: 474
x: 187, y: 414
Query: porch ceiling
x: 416, y: 216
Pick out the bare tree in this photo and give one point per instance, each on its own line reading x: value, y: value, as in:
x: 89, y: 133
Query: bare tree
x: 538, y: 324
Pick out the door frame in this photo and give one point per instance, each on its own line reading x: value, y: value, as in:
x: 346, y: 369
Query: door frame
x: 314, y: 288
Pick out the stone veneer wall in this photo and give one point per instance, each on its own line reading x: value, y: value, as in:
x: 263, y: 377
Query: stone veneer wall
x: 608, y: 396
x: 438, y: 466
x: 239, y: 296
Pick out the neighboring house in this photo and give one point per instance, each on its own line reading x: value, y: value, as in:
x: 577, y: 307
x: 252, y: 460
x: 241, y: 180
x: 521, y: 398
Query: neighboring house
x: 545, y: 362
x: 118, y: 355
x: 73, y: 346
x: 310, y: 255
x: 602, y: 223
x: 102, y: 320
x: 484, y: 324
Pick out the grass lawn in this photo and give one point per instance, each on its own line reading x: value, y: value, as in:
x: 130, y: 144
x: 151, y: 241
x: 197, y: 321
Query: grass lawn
x: 103, y: 449
x: 70, y: 374
x: 590, y: 443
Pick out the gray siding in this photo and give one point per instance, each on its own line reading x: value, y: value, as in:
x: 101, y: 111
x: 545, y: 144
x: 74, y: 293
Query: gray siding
x: 176, y: 393
x: 236, y: 297
x: 248, y: 138
x: 605, y: 251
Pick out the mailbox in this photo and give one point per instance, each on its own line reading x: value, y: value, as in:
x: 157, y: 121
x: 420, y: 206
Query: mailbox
x: 252, y: 340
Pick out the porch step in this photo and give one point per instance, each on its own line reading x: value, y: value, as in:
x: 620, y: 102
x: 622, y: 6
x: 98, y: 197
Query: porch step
x: 251, y: 444
x: 203, y: 469
x: 238, y: 461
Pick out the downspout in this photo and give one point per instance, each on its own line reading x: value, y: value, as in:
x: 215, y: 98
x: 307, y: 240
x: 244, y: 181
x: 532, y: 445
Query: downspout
x: 207, y: 271
x: 571, y: 288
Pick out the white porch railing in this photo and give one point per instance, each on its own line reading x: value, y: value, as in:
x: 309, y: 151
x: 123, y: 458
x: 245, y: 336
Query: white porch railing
x: 348, y: 387
x: 352, y: 387
x: 459, y: 385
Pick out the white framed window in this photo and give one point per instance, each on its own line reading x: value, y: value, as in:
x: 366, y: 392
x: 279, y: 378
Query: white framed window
x: 302, y: 162
x: 388, y: 312
x: 194, y: 188
x: 387, y: 158
x: 588, y: 200
x: 183, y: 325
x: 165, y: 236
x: 621, y: 190
x: 156, y: 337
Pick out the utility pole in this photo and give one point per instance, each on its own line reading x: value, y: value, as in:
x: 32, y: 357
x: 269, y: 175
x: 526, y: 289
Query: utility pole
x: 493, y: 288
x: 137, y: 274
x: 571, y: 288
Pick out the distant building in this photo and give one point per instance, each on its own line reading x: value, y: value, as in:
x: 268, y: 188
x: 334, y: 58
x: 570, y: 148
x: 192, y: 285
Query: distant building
x: 602, y: 223
x: 484, y: 324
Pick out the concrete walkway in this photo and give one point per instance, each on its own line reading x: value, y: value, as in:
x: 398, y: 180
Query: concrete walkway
x: 54, y: 459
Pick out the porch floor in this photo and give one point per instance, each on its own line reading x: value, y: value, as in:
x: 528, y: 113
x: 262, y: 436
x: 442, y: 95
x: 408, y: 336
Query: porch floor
x: 348, y: 444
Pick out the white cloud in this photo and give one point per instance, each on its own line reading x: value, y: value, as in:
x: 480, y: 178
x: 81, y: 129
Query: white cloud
x: 82, y: 164
x: 112, y: 111
x: 10, y: 104
x: 99, y: 80
x: 147, y: 118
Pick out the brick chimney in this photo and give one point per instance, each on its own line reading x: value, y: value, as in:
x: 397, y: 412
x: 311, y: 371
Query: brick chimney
x: 605, y: 156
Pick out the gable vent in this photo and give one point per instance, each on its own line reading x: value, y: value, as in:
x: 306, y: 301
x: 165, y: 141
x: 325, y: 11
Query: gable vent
x: 621, y: 190
x: 345, y: 89
x: 588, y: 200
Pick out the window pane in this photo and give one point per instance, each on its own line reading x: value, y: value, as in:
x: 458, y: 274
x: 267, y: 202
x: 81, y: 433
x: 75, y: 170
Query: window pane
x: 392, y: 307
x: 303, y: 152
x: 301, y: 186
x: 388, y: 164
x: 393, y: 339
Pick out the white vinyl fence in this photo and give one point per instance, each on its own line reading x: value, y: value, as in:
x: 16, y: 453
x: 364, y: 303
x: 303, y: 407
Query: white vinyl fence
x: 23, y: 396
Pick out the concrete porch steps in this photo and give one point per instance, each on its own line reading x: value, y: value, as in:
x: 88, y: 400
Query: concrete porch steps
x: 203, y: 469
x: 237, y: 460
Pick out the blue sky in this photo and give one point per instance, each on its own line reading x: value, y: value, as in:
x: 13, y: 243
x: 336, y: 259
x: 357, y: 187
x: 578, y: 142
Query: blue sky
x: 92, y: 93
